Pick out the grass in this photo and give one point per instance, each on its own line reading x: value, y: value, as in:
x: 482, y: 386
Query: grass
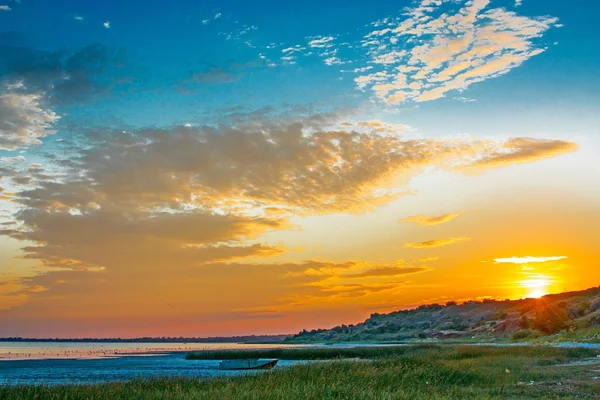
x: 585, y: 335
x: 403, y: 372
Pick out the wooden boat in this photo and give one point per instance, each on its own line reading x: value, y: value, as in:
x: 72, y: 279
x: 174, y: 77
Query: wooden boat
x: 252, y: 363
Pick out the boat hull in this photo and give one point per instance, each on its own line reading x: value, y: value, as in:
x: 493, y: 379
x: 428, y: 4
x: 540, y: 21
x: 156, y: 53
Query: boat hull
x: 247, y: 364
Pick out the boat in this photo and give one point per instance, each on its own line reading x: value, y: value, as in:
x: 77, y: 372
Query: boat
x: 249, y: 363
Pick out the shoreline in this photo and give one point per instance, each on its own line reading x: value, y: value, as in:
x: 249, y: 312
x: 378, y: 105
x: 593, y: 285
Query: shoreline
x: 415, y: 372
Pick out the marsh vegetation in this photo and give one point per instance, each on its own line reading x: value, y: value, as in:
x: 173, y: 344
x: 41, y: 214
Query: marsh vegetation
x: 401, y: 372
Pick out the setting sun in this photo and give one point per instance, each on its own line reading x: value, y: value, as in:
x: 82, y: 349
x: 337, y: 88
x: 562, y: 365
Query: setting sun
x: 537, y: 286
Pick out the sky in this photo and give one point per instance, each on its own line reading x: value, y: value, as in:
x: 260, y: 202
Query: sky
x: 209, y: 168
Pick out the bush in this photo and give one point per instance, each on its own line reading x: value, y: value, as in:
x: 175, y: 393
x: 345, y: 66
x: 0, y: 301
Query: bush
x: 524, y: 334
x: 524, y: 322
x: 551, y: 320
x: 501, y: 315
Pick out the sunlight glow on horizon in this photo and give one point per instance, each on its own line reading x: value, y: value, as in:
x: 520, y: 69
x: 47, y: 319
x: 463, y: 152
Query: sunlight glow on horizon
x: 537, y: 286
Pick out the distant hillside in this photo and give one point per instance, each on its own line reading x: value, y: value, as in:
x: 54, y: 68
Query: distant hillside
x: 573, y: 314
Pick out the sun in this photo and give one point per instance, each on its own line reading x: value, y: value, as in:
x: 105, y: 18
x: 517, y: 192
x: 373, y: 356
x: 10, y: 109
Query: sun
x: 537, y: 286
x: 537, y: 293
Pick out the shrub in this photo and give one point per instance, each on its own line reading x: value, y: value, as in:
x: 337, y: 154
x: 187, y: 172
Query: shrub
x: 524, y: 322
x: 524, y: 334
x: 551, y: 320
x: 501, y: 315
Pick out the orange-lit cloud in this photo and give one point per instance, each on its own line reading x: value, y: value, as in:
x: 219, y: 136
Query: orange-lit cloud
x: 523, y: 150
x: 436, y: 243
x: 528, y: 259
x: 427, y: 220
x: 174, y: 208
x: 429, y: 259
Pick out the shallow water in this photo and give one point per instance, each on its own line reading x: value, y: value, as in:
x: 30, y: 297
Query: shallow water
x: 81, y: 350
x: 52, y: 363
x: 72, y: 371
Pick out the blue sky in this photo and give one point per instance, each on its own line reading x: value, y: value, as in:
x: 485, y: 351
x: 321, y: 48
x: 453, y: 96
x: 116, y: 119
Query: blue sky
x: 163, y: 47
x: 343, y: 156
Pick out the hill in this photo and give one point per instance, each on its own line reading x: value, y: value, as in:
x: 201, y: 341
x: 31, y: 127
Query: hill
x: 570, y: 315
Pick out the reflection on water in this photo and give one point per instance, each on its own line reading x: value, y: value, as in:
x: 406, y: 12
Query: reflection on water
x: 79, y: 350
x: 78, y: 363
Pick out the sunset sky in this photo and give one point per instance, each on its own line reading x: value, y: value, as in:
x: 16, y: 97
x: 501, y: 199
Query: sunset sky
x: 197, y: 168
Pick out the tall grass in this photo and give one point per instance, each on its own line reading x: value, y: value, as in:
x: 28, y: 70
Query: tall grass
x: 416, y: 373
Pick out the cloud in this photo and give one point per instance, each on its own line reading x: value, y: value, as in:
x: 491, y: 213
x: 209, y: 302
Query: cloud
x: 428, y: 259
x: 5, y: 8
x: 106, y: 24
x: 156, y: 203
x: 78, y: 18
x: 146, y: 240
x: 214, y: 75
x: 436, y: 243
x: 61, y: 76
x: 427, y: 220
x: 528, y: 259
x: 518, y: 3
x: 23, y: 119
x: 389, y: 271
x: 12, y: 160
x: 271, y: 163
x: 320, y: 42
x: 434, y: 51
x: 523, y: 150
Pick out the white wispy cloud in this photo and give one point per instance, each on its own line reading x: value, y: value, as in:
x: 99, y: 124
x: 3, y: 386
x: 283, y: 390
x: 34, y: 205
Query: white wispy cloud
x: 528, y: 259
x: 5, y: 8
x: 23, y: 119
x: 12, y: 160
x: 432, y: 51
x: 106, y: 24
x: 321, y: 42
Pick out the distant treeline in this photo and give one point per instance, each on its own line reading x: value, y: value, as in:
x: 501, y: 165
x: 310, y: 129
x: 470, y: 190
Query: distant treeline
x: 214, y: 339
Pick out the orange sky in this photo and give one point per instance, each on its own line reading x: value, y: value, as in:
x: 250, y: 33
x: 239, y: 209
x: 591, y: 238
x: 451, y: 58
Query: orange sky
x: 181, y: 171
x: 310, y: 271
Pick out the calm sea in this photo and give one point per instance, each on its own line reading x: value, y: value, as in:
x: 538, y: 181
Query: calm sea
x: 52, y: 363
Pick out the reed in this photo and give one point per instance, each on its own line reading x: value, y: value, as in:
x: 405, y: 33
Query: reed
x: 420, y: 372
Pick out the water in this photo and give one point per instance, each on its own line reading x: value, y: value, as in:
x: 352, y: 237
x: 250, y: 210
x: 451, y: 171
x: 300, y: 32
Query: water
x: 52, y: 363
x: 85, y: 350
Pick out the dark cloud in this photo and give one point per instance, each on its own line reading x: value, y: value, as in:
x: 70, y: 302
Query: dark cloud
x: 64, y: 76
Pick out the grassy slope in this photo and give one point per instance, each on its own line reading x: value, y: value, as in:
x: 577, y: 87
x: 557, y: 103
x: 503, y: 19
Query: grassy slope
x: 416, y: 372
x: 482, y: 321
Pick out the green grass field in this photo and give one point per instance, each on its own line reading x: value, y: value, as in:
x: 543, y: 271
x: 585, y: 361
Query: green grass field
x: 411, y: 372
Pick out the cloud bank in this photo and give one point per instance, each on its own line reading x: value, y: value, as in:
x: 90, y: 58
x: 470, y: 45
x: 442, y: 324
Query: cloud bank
x: 444, y: 46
